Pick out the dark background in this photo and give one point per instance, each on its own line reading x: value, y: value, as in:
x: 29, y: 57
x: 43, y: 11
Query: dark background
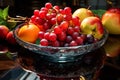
x: 26, y: 7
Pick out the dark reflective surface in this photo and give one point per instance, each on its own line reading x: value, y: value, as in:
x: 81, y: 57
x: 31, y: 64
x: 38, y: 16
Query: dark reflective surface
x: 87, y: 65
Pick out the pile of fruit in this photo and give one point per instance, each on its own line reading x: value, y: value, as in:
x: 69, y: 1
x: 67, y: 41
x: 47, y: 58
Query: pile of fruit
x: 53, y: 26
x: 6, y: 28
x: 7, y: 34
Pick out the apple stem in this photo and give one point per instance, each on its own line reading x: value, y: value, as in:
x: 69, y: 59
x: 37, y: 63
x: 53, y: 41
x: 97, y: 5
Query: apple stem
x: 88, y: 7
x: 27, y: 21
x: 110, y: 2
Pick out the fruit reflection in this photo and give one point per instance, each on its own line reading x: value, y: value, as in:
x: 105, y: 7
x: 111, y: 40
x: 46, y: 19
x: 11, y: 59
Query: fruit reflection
x: 87, y: 66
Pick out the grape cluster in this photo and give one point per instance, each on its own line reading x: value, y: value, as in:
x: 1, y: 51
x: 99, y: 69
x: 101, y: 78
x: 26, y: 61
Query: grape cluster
x: 58, y: 28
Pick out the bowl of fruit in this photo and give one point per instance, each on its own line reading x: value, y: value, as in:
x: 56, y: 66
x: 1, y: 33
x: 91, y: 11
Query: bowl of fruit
x: 58, y: 36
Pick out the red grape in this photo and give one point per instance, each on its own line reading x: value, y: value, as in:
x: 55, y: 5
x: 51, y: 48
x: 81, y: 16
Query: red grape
x: 36, y: 12
x: 55, y: 43
x: 62, y: 11
x: 76, y: 21
x: 52, y: 37
x: 41, y: 34
x: 77, y: 28
x: 57, y: 30
x: 33, y: 18
x: 56, y: 8
x: 64, y: 25
x: 48, y: 5
x: 40, y: 21
x: 48, y: 16
x: 75, y: 35
x: 67, y: 10
x: 79, y: 40
x: 68, y: 17
x: 53, y: 20
x: 46, y: 26
x: 59, y: 18
x: 70, y: 30
x: 69, y: 39
x: 73, y: 43
x: 62, y: 36
x: 42, y: 14
x: 46, y: 35
x: 44, y: 42
x: 44, y: 9
x: 53, y: 14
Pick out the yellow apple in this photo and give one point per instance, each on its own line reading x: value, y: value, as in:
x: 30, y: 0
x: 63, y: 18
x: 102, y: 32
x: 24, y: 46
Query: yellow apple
x: 111, y: 20
x: 92, y: 25
x: 82, y: 13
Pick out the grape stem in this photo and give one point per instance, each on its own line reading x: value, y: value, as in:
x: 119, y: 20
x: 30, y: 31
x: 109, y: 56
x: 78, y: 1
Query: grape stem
x: 51, y: 29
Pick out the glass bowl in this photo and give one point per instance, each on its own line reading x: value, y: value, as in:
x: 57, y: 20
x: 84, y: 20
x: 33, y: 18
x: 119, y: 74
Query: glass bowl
x: 60, y: 54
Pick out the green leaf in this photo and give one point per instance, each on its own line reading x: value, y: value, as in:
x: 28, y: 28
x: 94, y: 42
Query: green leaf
x: 3, y: 18
x: 3, y: 22
x: 1, y: 13
x: 99, y: 12
x: 37, y: 41
x: 5, y: 13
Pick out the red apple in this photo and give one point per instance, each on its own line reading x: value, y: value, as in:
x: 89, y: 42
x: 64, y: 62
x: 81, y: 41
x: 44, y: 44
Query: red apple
x: 10, y: 38
x: 92, y: 25
x: 3, y: 32
x: 111, y: 20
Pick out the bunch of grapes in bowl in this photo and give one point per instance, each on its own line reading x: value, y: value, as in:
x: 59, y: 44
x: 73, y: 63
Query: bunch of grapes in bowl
x: 56, y: 34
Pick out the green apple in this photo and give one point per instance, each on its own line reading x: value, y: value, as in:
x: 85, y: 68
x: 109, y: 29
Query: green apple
x: 111, y: 20
x: 82, y: 13
x: 92, y: 25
